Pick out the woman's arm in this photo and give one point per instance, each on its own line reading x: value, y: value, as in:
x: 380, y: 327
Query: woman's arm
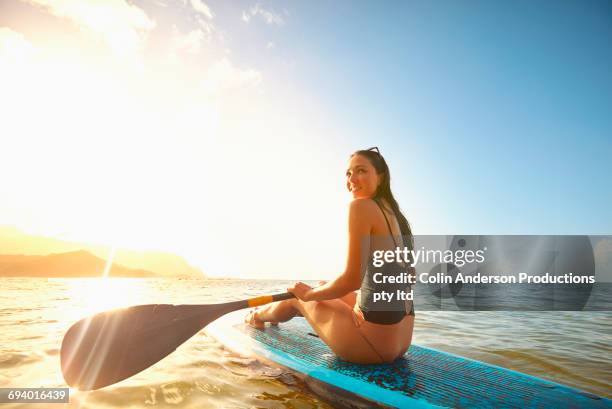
x: 360, y: 216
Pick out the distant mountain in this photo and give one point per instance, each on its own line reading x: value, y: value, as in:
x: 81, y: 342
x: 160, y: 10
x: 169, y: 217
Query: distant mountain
x: 163, y: 264
x: 79, y: 263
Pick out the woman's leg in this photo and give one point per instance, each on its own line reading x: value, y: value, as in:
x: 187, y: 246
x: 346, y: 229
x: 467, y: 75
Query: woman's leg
x: 333, y: 322
x: 274, y: 313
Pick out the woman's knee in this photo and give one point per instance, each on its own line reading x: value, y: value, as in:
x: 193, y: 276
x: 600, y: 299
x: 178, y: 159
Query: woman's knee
x: 298, y: 304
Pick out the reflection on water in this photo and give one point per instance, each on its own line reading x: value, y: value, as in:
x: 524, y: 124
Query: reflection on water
x: 568, y: 347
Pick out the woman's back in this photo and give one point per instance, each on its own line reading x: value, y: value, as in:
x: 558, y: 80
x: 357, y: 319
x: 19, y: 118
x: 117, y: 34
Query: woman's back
x: 382, y: 297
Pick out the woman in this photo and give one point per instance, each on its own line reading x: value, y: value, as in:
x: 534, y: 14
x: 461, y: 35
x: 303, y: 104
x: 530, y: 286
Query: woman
x: 356, y: 329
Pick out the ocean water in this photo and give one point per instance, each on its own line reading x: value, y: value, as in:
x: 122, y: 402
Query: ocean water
x: 573, y: 348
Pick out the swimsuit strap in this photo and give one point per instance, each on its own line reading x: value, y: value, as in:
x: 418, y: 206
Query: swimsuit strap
x: 388, y: 224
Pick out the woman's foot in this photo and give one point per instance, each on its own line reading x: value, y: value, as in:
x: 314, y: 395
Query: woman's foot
x: 253, y: 320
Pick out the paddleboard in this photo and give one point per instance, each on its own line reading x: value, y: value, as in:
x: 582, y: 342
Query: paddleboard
x: 423, y: 378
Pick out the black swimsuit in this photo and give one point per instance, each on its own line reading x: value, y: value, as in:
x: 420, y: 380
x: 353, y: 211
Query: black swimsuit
x: 384, y: 312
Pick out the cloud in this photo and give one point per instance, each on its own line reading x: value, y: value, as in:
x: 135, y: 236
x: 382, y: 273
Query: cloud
x: 202, y: 8
x: 203, y: 16
x: 121, y: 25
x: 190, y: 42
x: 223, y: 77
x: 269, y: 16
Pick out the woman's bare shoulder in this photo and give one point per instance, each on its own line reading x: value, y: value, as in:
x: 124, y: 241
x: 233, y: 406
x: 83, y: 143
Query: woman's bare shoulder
x: 363, y: 206
x: 361, y: 215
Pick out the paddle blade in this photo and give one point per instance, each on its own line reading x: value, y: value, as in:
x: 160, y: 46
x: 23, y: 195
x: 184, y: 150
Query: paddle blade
x: 114, y: 345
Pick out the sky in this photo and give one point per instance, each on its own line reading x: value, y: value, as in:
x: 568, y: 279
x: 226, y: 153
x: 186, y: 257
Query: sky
x: 220, y: 131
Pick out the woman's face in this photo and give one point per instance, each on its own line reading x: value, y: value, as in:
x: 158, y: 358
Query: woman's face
x: 361, y: 177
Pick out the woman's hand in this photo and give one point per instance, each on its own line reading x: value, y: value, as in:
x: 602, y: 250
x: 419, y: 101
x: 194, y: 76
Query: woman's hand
x: 301, y: 291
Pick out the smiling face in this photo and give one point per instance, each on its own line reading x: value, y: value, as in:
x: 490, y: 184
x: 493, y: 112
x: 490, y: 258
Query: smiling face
x: 361, y: 177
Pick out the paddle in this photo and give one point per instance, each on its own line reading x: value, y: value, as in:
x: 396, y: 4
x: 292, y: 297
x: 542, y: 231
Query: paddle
x: 111, y: 346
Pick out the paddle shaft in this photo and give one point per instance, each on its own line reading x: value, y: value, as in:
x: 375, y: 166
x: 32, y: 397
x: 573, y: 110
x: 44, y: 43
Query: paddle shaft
x: 266, y: 299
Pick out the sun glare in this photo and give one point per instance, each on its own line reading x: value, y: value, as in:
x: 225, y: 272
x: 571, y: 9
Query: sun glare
x: 148, y: 163
x: 93, y: 295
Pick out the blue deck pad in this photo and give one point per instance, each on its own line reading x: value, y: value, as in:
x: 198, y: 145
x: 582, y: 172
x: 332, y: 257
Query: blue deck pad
x: 424, y: 377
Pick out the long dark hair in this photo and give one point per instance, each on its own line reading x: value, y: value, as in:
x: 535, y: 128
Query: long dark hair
x: 384, y: 191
